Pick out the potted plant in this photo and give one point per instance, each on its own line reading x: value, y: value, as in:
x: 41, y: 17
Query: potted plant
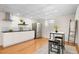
x: 22, y: 24
x: 56, y: 27
x: 10, y: 30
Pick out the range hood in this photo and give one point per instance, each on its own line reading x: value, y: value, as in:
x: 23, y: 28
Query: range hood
x: 7, y: 16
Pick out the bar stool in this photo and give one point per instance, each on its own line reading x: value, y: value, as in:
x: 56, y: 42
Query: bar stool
x: 58, y: 42
x: 61, y: 42
x: 54, y: 46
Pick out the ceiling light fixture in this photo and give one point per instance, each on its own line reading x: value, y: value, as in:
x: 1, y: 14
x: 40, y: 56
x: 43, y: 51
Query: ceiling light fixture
x: 55, y: 10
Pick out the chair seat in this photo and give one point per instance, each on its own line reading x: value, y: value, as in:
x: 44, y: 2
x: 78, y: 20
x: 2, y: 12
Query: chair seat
x: 59, y: 37
x: 55, y: 42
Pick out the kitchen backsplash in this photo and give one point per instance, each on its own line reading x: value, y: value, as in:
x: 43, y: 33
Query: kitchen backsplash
x: 6, y: 25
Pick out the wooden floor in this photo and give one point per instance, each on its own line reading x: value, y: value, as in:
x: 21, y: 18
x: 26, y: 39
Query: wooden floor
x: 72, y: 44
x: 28, y: 47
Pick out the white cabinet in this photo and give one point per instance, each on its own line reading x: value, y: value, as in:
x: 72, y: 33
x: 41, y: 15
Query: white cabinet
x: 12, y: 38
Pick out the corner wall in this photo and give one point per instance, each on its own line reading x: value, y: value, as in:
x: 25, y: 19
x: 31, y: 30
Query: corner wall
x: 63, y: 22
x: 77, y: 18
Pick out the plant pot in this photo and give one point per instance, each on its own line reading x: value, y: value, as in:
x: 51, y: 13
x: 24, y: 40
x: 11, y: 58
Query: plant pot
x: 56, y: 30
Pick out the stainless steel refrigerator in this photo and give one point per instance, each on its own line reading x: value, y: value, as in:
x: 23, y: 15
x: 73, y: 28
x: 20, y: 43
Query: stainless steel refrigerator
x: 37, y: 27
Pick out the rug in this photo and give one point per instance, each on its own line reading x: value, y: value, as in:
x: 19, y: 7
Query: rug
x: 68, y: 50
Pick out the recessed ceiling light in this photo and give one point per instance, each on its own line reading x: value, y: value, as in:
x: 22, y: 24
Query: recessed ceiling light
x: 51, y: 21
x: 55, y: 10
x: 18, y: 14
x: 48, y: 8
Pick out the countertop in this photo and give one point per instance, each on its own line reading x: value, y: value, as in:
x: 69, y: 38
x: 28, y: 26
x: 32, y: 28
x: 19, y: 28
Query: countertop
x: 15, y: 31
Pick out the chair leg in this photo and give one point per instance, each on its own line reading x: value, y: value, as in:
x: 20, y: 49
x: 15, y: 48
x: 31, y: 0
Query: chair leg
x: 49, y: 50
x: 49, y: 45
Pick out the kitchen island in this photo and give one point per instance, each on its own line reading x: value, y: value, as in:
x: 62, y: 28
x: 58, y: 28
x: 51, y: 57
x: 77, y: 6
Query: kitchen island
x: 15, y: 37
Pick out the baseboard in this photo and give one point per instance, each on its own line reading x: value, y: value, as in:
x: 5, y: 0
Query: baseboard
x: 1, y: 47
x: 70, y: 43
x: 44, y: 38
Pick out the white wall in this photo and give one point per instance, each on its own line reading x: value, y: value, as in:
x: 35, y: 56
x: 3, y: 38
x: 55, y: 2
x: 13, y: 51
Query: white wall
x: 1, y: 17
x: 77, y: 18
x: 62, y: 21
x: 6, y: 25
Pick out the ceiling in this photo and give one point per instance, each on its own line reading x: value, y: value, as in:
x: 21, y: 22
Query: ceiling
x: 45, y: 11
